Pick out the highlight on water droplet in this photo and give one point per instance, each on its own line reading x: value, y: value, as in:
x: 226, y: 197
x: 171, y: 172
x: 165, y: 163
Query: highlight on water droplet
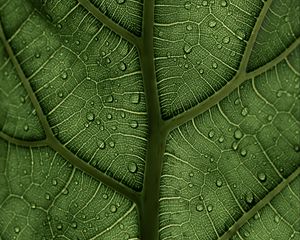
x: 132, y: 167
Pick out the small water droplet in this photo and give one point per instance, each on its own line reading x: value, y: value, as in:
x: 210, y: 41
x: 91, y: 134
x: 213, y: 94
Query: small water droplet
x: 244, y: 112
x: 189, y: 27
x: 77, y: 42
x: 215, y: 65
x: 212, y: 24
x: 224, y: 3
x: 134, y: 124
x: 26, y: 128
x: 101, y: 144
x: 105, y: 196
x: 113, y: 208
x: 240, y: 34
x: 221, y: 139
x: 64, y: 75
x: 219, y: 183
x: 243, y: 152
x: 65, y: 191
x: 33, y: 205
x: 135, y: 98
x: 204, y: 3
x: 199, y: 207
x: 54, y: 182
x: 90, y: 116
x: 226, y: 40
x: 74, y: 225
x: 209, y: 208
x: 109, y: 116
x: 297, y: 148
x: 122, y: 66
x: 17, y: 229
x: 249, y: 197
x: 238, y: 134
x: 234, y: 145
x: 132, y: 167
x: 211, y: 134
x: 187, y: 49
x: 59, y: 226
x: 187, y: 5
x: 261, y: 176
x: 47, y: 196
x: 276, y: 219
x: 110, y: 99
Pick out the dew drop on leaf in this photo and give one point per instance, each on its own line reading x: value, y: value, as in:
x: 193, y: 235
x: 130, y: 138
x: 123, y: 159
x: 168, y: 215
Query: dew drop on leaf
x: 211, y: 133
x: 65, y: 191
x: 226, y: 40
x: 234, y: 145
x: 112, y: 144
x: 134, y: 124
x: 189, y: 27
x: 59, y: 226
x: 110, y: 99
x: 276, y: 219
x: 109, y: 116
x: 104, y: 195
x: 113, y: 208
x: 17, y: 229
x: 132, y: 167
x: 238, y: 134
x: 122, y: 66
x: 199, y: 207
x: 212, y: 24
x: 187, y: 5
x: 249, y: 197
x: 261, y: 176
x: 26, y: 128
x: 204, y: 3
x: 219, y: 183
x: 64, y: 75
x: 47, y: 196
x: 215, y: 65
x: 135, y: 98
x: 90, y: 116
x: 209, y: 208
x: 224, y: 3
x: 244, y: 112
x: 101, y: 144
x: 54, y: 182
x: 187, y: 49
x: 74, y: 225
x: 243, y: 152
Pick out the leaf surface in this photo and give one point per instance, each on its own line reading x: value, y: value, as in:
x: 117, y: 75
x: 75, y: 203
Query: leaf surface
x: 130, y: 119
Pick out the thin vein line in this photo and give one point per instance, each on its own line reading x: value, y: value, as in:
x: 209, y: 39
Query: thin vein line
x: 110, y: 23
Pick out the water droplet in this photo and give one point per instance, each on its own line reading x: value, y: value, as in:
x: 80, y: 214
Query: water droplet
x: 224, y: 3
x: 109, y: 116
x: 26, y: 128
x: 201, y: 71
x: 261, y: 176
x: 244, y: 112
x: 243, y: 152
x: 209, y: 208
x: 17, y: 229
x: 234, y: 145
x: 110, y: 99
x: 135, y: 98
x: 211, y: 134
x: 134, y: 124
x: 212, y: 24
x: 132, y: 167
x: 37, y: 55
x: 226, y: 40
x: 60, y: 94
x: 90, y: 116
x: 276, y: 219
x: 297, y: 148
x: 199, y: 207
x: 113, y: 208
x: 33, y: 206
x: 47, y: 196
x: 65, y: 191
x: 59, y: 226
x: 238, y: 134
x: 74, y: 225
x: 187, y: 49
x: 22, y: 99
x: 249, y: 197
x: 54, y: 182
x: 120, y: 1
x: 187, y: 5
x: 105, y: 196
x: 101, y: 144
x: 64, y: 75
x: 221, y: 139
x: 77, y: 42
x: 215, y: 65
x: 189, y: 27
x: 111, y: 144
x: 122, y: 66
x: 219, y: 183
x: 205, y: 3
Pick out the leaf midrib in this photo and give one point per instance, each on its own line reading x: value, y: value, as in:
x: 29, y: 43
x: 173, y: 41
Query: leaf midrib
x: 147, y: 200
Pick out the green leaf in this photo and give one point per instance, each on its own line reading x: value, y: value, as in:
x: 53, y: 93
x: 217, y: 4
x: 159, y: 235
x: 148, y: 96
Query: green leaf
x: 131, y: 119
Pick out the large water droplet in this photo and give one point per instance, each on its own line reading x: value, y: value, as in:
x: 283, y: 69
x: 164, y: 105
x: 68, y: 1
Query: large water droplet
x: 113, y: 208
x: 134, y: 124
x: 238, y: 134
x: 212, y: 24
x: 209, y: 208
x: 17, y: 229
